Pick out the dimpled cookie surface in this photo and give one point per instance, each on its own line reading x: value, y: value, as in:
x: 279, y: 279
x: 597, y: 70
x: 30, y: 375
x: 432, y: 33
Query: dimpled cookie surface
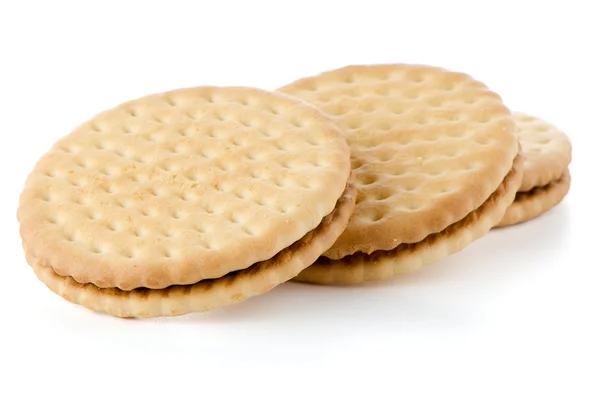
x: 181, y: 186
x: 547, y: 151
x: 429, y: 146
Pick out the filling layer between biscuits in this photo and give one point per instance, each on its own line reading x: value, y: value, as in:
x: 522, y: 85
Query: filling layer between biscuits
x: 342, y: 209
x: 472, y: 218
x: 534, y: 202
x: 522, y: 196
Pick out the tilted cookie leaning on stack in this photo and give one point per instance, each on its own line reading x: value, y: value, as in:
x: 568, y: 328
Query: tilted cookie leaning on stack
x: 186, y: 201
x: 546, y: 176
x: 437, y: 163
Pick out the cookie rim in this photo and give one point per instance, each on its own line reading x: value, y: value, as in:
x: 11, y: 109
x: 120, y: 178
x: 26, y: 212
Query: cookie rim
x: 551, y: 168
x: 351, y: 244
x: 361, y: 268
x: 205, y: 295
x: 108, y: 274
x: 536, y: 202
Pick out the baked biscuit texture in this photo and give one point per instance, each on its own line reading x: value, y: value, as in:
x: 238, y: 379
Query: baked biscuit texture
x: 547, y: 150
x: 533, y: 203
x: 405, y: 258
x: 205, y: 295
x: 546, y: 177
x: 429, y: 147
x: 182, y: 186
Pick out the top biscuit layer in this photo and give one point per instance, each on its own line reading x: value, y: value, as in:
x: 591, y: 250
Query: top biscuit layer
x: 428, y: 147
x: 182, y: 186
x: 547, y: 151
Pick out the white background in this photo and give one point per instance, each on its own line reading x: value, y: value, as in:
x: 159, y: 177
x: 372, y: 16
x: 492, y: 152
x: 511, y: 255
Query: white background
x: 516, y: 313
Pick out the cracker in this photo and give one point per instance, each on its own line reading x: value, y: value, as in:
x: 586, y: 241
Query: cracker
x: 205, y: 295
x: 546, y: 178
x: 406, y: 258
x: 182, y: 186
x: 429, y: 146
x: 547, y: 151
x: 531, y: 204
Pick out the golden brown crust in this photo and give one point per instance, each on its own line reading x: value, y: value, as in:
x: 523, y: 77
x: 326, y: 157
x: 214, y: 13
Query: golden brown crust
x: 531, y: 204
x: 429, y: 146
x: 361, y: 267
x: 547, y: 151
x: 182, y: 186
x: 207, y: 294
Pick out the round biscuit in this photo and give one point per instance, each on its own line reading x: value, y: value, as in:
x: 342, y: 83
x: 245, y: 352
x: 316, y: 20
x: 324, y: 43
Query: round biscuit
x: 205, y: 295
x: 182, y: 186
x: 429, y: 146
x: 407, y: 258
x: 547, y: 151
x: 537, y: 201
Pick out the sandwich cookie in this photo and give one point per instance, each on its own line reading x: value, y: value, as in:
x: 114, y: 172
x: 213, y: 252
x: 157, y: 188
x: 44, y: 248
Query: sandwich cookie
x: 437, y: 163
x: 186, y: 201
x: 546, y: 177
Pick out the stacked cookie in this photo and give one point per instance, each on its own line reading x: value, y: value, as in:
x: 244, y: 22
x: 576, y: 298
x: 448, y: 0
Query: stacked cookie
x: 186, y: 201
x: 197, y: 198
x: 546, y: 177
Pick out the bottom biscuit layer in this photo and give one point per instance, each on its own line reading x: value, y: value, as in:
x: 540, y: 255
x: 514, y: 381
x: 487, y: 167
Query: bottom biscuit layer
x: 535, y: 202
x: 379, y: 265
x: 207, y: 294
